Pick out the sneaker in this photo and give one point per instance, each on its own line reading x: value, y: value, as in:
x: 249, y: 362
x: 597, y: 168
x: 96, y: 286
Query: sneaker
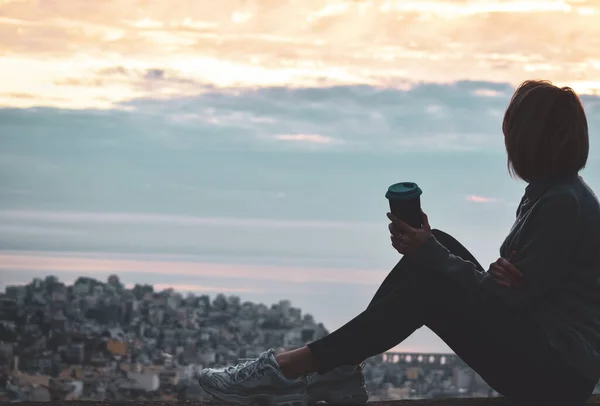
x: 258, y: 381
x: 340, y: 386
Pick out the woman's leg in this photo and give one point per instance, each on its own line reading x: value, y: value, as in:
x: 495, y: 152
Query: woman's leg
x: 506, y: 349
x: 401, y: 275
x: 403, y: 272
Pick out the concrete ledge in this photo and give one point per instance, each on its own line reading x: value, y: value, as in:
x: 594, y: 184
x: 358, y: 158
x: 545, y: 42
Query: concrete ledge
x: 427, y: 402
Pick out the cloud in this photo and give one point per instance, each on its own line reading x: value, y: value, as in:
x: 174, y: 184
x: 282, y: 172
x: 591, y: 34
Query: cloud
x: 489, y: 92
x: 134, y: 180
x: 481, y: 199
x: 22, y: 229
x: 349, y: 117
x: 285, y: 43
x: 308, y: 138
x: 293, y: 242
x: 79, y: 265
x: 213, y: 154
x: 67, y: 217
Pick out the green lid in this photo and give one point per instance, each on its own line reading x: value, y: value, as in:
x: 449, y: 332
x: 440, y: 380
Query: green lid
x: 403, y: 191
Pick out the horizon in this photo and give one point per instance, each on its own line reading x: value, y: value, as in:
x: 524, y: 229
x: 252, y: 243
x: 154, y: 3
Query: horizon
x: 162, y: 288
x: 248, y: 148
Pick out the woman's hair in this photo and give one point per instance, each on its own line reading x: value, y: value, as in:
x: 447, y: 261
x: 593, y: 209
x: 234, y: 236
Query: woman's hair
x: 545, y: 132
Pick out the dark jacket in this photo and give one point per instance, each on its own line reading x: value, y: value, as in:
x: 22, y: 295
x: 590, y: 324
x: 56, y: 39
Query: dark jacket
x: 557, y: 239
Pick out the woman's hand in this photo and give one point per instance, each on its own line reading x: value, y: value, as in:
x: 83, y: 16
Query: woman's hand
x: 407, y: 239
x: 505, y: 273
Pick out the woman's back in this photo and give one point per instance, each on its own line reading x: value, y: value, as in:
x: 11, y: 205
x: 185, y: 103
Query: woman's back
x: 566, y: 299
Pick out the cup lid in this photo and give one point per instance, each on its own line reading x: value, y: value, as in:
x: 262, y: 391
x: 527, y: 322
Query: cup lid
x: 404, y: 191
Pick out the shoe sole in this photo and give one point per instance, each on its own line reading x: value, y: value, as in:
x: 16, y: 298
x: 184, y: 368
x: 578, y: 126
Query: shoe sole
x: 262, y: 400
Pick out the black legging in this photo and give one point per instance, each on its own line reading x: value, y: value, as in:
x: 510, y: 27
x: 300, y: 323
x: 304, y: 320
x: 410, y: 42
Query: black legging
x: 503, y: 346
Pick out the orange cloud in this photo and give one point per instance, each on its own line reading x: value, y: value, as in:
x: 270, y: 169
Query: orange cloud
x: 481, y: 199
x: 80, y: 264
x: 285, y: 43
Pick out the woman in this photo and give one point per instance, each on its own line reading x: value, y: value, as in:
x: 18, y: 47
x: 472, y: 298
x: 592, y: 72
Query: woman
x: 530, y: 325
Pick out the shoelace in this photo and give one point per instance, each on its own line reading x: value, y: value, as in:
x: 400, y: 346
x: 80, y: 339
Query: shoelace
x: 250, y: 368
x: 240, y: 365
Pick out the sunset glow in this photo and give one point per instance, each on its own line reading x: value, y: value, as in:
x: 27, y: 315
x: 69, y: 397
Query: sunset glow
x: 80, y: 54
x: 69, y: 263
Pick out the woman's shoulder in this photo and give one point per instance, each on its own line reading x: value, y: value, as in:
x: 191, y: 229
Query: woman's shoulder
x: 571, y: 198
x: 576, y: 197
x: 560, y: 194
x: 575, y: 190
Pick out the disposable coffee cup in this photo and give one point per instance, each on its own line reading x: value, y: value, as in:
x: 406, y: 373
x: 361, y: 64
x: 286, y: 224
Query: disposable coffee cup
x: 405, y: 203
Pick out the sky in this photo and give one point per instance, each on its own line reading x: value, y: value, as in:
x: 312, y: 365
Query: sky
x: 247, y: 148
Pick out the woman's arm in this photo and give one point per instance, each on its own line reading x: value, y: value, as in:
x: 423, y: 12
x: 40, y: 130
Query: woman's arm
x: 549, y: 232
x: 434, y: 255
x: 546, y: 247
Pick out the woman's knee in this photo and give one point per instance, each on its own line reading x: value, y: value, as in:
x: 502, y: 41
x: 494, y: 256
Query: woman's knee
x: 439, y: 233
x: 451, y: 243
x: 444, y: 238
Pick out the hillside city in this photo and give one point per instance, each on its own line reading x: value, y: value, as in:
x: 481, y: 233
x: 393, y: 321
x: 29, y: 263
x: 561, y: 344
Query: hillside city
x: 97, y: 340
